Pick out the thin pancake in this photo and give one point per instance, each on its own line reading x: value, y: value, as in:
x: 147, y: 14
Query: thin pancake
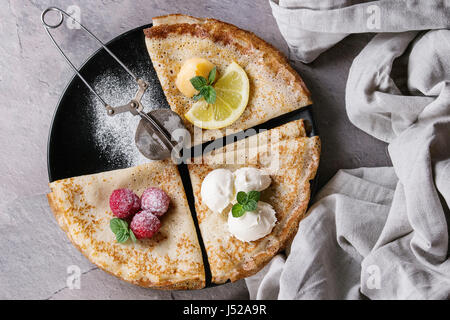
x: 292, y: 162
x: 172, y: 259
x: 275, y: 88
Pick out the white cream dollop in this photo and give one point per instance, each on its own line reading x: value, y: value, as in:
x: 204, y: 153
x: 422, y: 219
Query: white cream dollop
x: 217, y: 189
x: 253, y: 225
x: 251, y: 179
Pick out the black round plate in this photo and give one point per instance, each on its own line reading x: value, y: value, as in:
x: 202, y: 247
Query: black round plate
x: 78, y: 145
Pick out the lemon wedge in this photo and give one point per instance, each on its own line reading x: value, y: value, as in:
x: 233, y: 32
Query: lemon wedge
x: 232, y: 90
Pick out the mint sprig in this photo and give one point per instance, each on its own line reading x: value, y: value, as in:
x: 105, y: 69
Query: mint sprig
x: 204, y: 86
x: 120, y: 228
x: 246, y: 202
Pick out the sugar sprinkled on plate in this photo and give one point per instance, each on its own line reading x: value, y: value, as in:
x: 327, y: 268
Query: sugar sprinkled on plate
x: 114, y: 136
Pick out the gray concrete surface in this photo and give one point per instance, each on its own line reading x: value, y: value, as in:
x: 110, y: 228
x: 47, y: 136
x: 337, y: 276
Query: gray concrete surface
x: 34, y: 252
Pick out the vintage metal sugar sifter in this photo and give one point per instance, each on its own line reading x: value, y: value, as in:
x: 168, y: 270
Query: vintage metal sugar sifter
x: 154, y: 133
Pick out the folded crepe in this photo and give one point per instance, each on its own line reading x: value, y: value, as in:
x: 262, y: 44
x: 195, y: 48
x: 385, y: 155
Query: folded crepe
x: 275, y: 88
x: 291, y: 159
x: 171, y: 259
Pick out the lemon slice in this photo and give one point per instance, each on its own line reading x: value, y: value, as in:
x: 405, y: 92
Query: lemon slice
x: 232, y: 90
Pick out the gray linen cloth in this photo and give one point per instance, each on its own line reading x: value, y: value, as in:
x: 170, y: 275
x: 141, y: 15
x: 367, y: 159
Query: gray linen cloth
x: 310, y: 26
x: 381, y: 233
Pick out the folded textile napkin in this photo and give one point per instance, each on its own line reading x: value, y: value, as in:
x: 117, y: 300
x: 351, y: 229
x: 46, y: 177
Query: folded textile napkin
x: 378, y: 233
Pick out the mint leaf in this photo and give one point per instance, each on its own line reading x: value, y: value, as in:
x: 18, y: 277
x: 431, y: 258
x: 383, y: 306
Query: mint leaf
x: 132, y: 236
x: 197, y: 97
x: 241, y: 197
x: 203, y: 86
x: 237, y: 211
x: 122, y: 236
x: 254, y: 195
x: 117, y: 225
x: 250, y: 205
x: 120, y: 228
x: 208, y: 93
x: 210, y: 97
x: 212, y: 75
x: 198, y: 82
x: 246, y: 202
x: 204, y: 91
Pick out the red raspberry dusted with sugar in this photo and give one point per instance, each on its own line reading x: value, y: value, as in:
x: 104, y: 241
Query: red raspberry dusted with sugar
x: 155, y: 200
x: 124, y: 202
x: 145, y: 224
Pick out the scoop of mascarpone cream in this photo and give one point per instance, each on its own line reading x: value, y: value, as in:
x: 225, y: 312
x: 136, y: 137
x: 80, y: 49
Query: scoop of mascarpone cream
x: 253, y: 225
x: 217, y: 189
x: 251, y: 179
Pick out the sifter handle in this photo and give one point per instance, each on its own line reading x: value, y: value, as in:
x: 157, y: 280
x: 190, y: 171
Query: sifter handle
x: 48, y: 26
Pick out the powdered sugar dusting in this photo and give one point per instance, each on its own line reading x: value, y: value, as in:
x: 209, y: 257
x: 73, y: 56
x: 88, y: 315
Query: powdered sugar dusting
x: 114, y: 136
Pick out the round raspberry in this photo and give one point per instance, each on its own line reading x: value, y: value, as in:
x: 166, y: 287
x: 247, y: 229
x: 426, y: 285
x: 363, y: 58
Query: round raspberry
x: 145, y: 224
x: 155, y: 200
x: 124, y: 202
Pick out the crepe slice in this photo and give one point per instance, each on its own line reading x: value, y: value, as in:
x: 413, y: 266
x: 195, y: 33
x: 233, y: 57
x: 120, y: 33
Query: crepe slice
x: 275, y: 88
x: 171, y: 259
x: 291, y: 159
